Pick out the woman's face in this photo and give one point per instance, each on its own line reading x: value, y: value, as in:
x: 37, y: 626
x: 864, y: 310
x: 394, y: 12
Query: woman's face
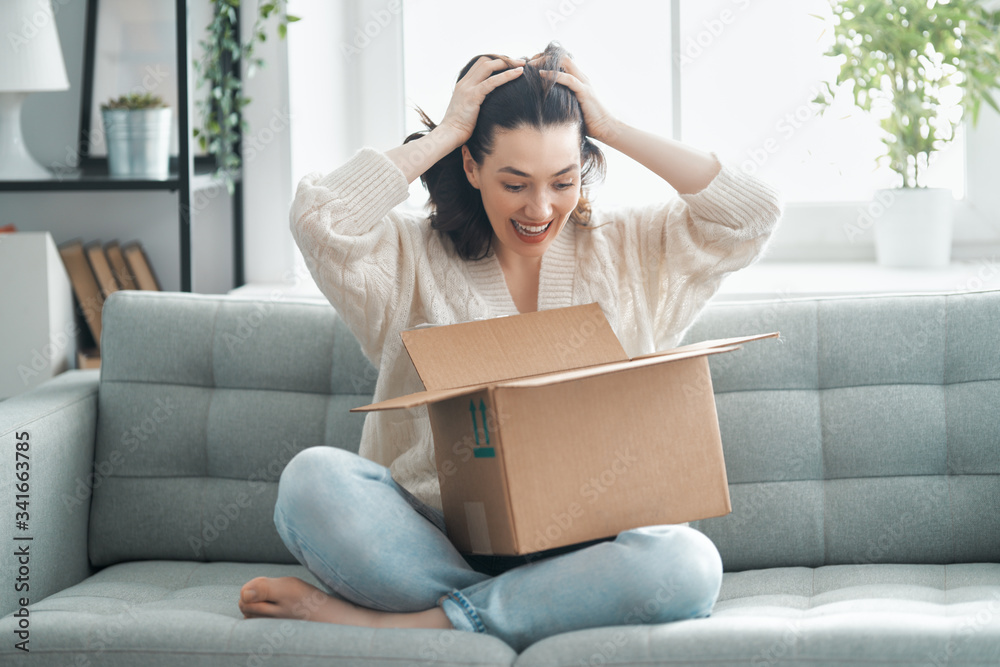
x: 530, y: 185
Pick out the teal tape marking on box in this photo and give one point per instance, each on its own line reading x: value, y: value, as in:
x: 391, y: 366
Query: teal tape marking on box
x: 483, y: 453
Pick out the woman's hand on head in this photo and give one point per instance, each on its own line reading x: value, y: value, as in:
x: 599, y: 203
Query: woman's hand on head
x: 601, y: 125
x: 472, y: 89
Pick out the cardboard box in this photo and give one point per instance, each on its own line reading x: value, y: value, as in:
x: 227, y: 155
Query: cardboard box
x: 547, y: 434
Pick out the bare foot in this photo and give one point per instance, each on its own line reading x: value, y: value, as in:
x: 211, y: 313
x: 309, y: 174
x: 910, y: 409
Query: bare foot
x: 291, y: 597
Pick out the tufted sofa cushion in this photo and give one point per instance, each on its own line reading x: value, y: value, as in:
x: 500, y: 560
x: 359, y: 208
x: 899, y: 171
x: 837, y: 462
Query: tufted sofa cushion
x: 862, y: 615
x: 868, y: 434
x: 202, y: 402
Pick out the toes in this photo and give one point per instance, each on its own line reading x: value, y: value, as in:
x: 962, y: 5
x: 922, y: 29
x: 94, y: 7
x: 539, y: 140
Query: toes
x: 258, y: 610
x: 257, y: 589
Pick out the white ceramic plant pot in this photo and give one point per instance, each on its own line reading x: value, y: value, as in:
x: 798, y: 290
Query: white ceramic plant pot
x: 914, y: 229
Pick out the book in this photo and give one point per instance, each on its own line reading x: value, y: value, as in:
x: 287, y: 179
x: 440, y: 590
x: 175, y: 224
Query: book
x: 101, y: 267
x: 118, y: 266
x: 88, y: 294
x: 89, y: 358
x: 138, y: 263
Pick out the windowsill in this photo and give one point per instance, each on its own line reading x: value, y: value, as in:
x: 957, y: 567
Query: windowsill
x: 769, y: 280
x: 772, y: 280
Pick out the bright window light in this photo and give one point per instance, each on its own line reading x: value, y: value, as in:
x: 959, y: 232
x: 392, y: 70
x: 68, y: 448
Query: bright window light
x: 629, y: 67
x: 750, y: 71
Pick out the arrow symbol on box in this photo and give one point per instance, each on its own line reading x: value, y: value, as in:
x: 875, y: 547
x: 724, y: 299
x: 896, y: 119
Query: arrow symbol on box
x: 475, y: 426
x: 486, y: 428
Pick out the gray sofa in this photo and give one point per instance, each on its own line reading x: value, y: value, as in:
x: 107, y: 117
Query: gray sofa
x: 863, y: 452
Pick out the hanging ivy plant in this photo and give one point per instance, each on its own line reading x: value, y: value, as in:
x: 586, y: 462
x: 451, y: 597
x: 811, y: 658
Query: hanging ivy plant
x: 224, y: 56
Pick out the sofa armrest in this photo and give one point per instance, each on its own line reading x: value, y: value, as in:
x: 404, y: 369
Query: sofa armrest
x: 58, y: 420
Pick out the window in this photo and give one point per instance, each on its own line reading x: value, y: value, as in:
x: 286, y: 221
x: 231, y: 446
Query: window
x: 750, y: 71
x: 734, y: 76
x: 630, y: 69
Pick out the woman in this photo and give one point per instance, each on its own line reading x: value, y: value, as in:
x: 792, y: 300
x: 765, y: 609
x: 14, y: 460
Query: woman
x: 509, y: 232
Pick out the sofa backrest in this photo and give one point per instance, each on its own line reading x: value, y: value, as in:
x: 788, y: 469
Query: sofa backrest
x: 869, y: 433
x: 202, y: 402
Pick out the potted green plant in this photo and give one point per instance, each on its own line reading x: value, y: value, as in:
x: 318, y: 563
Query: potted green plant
x: 918, y: 67
x: 225, y: 58
x: 137, y: 133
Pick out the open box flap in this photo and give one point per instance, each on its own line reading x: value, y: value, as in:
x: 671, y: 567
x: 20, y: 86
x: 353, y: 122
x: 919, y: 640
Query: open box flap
x: 485, y: 351
x: 434, y: 395
x: 708, y: 344
x: 576, y: 374
x: 419, y: 398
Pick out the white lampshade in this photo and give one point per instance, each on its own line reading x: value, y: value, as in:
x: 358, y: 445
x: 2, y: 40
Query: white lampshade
x: 31, y: 60
x: 32, y: 57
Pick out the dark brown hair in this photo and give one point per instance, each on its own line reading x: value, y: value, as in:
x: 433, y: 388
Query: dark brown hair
x: 530, y: 100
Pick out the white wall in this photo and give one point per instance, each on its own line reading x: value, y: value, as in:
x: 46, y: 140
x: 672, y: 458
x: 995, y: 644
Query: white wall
x: 345, y: 80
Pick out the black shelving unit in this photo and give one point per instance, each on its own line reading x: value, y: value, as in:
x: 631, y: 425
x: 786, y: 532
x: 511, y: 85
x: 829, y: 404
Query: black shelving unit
x: 188, y: 174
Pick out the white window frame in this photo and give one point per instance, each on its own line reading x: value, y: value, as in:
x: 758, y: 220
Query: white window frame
x: 809, y: 231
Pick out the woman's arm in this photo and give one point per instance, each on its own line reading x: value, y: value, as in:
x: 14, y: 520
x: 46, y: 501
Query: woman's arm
x: 675, y: 254
x: 687, y: 169
x: 364, y: 255
x: 416, y: 157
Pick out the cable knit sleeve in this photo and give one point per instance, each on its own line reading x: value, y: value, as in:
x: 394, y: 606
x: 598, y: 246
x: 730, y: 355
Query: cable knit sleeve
x: 357, y: 248
x: 697, y: 239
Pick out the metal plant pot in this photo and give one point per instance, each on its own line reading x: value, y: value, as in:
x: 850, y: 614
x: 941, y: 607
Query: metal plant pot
x: 915, y: 228
x: 138, y: 142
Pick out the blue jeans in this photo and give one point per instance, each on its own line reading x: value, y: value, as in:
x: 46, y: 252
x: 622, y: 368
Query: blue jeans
x: 373, y: 543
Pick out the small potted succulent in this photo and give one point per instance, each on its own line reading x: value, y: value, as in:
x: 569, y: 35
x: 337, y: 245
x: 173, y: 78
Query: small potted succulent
x: 918, y: 67
x: 137, y: 130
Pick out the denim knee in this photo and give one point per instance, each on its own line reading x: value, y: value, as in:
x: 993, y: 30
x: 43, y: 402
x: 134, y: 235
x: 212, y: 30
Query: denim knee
x: 681, y: 569
x: 315, y: 467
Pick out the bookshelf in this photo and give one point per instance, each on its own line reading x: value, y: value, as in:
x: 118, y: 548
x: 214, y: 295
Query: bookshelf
x: 188, y: 174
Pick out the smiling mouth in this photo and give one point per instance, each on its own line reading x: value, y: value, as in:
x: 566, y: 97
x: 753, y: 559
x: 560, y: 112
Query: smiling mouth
x: 531, y: 230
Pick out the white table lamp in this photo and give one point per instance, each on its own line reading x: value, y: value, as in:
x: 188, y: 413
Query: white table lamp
x: 31, y: 60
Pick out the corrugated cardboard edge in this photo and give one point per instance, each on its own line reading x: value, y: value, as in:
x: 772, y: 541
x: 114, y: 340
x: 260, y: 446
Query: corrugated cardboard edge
x: 707, y: 344
x: 421, y: 398
x: 604, y: 369
x: 697, y: 349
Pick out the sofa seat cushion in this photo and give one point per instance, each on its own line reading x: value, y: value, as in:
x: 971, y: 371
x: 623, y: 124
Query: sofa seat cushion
x: 186, y: 613
x: 864, y: 614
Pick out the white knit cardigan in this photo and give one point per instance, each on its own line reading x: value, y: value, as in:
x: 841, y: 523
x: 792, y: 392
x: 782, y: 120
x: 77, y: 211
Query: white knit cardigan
x: 651, y: 269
